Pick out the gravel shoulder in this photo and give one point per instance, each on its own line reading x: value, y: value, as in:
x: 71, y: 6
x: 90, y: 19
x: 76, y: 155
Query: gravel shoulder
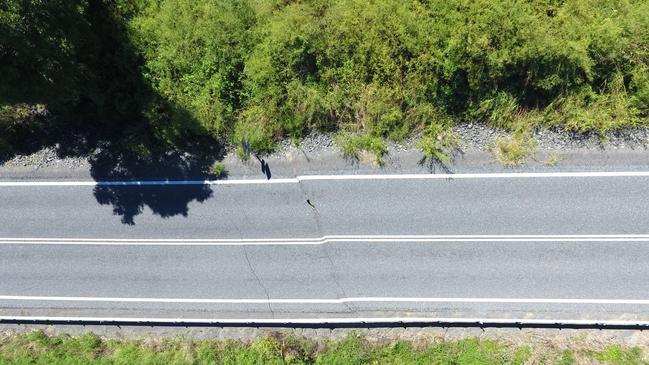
x: 317, y: 154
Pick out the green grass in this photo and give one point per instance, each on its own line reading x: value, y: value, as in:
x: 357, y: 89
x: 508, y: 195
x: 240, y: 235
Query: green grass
x: 37, y: 348
x: 514, y: 150
x: 438, y: 143
x: 616, y: 354
x: 352, y: 146
x: 218, y: 169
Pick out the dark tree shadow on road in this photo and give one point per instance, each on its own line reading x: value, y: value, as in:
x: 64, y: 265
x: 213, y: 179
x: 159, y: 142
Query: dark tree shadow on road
x: 165, y: 201
x: 113, y: 165
x: 99, y: 106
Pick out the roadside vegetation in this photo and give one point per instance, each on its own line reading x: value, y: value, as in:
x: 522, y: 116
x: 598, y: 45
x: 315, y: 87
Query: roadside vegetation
x: 162, y: 72
x: 514, y: 150
x: 38, y: 348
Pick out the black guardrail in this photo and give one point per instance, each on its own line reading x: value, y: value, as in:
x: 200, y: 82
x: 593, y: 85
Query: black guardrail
x: 332, y: 323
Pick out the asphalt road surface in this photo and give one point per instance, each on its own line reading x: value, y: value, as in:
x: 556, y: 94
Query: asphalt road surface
x: 546, y: 247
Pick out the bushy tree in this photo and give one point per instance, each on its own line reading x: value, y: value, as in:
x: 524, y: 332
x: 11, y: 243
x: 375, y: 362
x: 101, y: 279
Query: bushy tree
x: 195, y: 54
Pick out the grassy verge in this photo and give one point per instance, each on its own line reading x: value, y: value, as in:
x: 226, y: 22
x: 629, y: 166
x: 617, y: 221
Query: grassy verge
x: 353, y: 145
x: 218, y: 170
x: 39, y: 348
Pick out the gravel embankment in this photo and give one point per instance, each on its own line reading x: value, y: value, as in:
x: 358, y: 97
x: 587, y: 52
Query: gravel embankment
x: 478, y: 137
x: 474, y: 137
x: 47, y: 157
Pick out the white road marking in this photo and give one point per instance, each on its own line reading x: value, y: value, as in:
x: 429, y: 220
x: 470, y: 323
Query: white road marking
x: 502, y: 175
x: 324, y: 240
x: 298, y: 179
x: 328, y: 301
x: 148, y: 183
x: 331, y: 321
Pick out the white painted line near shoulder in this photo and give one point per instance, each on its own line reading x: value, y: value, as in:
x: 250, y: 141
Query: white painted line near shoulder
x: 295, y: 180
x: 312, y: 301
x: 360, y: 322
x: 325, y: 240
x: 148, y: 182
x: 505, y: 175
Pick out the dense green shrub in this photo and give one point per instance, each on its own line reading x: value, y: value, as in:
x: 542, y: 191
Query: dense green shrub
x: 76, y: 58
x: 387, y: 68
x: 260, y: 70
x: 194, y: 54
x: 39, y: 45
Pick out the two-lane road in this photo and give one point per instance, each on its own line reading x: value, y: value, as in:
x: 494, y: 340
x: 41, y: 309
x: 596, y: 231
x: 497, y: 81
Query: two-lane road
x: 507, y: 246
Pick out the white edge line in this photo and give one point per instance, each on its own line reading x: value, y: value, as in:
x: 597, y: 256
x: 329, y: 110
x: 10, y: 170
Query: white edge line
x: 298, y: 179
x: 332, y: 237
x: 328, y: 301
x: 180, y: 243
x: 325, y: 321
x: 326, y: 239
